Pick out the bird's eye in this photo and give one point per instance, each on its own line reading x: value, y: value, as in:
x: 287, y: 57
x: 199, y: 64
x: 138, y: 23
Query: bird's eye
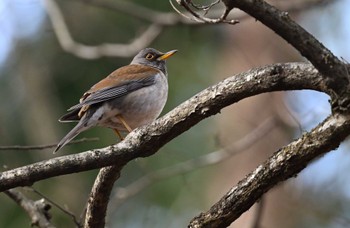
x: 149, y: 56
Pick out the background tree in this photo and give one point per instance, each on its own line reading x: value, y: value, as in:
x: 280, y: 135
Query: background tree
x: 48, y: 71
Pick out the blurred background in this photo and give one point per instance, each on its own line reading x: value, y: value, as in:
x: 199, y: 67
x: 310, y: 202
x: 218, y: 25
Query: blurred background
x: 39, y: 81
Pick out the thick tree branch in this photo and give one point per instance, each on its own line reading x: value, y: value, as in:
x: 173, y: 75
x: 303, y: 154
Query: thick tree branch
x: 335, y: 72
x: 146, y: 140
x: 285, y: 163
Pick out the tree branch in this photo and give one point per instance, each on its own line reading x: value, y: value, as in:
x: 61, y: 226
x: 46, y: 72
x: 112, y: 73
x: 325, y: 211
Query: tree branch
x: 99, y: 197
x: 283, y: 164
x: 93, y: 52
x: 37, y: 210
x: 202, y: 18
x: 147, y: 140
x: 142, y: 13
x: 64, y: 210
x: 335, y: 71
x: 47, y: 146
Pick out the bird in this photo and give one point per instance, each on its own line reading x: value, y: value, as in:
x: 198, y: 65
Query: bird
x: 129, y: 97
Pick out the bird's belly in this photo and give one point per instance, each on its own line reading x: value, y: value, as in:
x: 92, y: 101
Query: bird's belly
x: 137, y: 108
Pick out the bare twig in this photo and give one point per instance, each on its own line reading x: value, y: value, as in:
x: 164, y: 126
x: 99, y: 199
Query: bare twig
x: 92, y: 52
x: 199, y: 18
x: 143, y: 13
x: 194, y: 19
x: 204, y: 7
x: 48, y: 146
x: 123, y: 193
x: 64, y: 210
x: 38, y: 211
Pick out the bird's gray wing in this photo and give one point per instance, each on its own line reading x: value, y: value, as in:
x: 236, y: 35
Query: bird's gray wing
x: 115, y: 92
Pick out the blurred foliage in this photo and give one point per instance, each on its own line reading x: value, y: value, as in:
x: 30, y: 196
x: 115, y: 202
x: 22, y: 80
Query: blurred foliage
x: 63, y: 78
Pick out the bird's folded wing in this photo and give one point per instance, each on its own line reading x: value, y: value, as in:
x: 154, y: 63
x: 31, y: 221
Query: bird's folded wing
x: 115, y: 92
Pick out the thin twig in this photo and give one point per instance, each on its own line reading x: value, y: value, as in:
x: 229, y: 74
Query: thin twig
x: 184, y: 15
x: 64, y: 210
x: 197, y: 17
x: 37, y: 210
x: 205, y: 7
x: 46, y: 146
x: 140, y: 12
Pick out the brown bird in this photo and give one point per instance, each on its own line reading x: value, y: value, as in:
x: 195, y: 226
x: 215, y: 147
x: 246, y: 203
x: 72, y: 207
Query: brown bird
x: 131, y: 96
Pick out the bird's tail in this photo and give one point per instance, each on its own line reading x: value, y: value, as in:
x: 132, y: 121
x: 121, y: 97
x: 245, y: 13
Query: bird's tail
x: 80, y: 127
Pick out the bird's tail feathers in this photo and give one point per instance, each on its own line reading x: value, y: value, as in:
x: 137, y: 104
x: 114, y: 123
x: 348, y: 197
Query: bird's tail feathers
x: 80, y: 127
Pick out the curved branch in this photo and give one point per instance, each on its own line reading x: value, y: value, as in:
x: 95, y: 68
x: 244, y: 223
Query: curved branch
x: 335, y: 71
x: 99, y: 196
x: 283, y: 164
x: 92, y: 52
x: 143, y: 13
x: 147, y: 140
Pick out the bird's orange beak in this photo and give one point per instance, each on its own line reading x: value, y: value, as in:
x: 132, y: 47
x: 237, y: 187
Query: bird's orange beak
x: 167, y: 55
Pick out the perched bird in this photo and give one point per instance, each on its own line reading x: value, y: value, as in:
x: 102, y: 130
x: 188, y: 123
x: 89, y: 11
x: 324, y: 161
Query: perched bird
x: 129, y: 97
